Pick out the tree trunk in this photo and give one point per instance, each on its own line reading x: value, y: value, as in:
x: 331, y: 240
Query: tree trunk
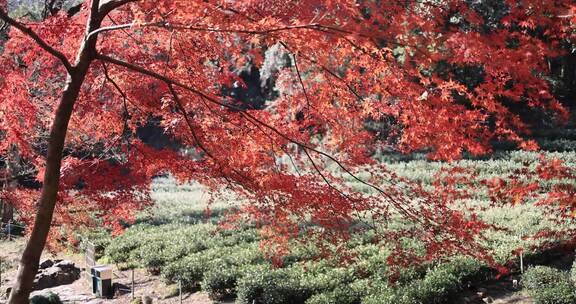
x: 28, y: 266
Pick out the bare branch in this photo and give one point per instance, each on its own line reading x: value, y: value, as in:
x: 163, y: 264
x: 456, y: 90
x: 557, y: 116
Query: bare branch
x: 41, y: 43
x: 184, y: 27
x: 109, y: 28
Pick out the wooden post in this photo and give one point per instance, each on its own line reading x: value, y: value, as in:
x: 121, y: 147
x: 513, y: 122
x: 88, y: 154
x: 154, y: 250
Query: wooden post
x: 132, y: 283
x: 180, y: 289
x: 9, y: 228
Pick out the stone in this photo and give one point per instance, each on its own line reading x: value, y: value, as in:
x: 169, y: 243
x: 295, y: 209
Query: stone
x: 46, y: 263
x: 65, y: 265
x: 120, y: 289
x: 61, y: 273
x: 69, y: 294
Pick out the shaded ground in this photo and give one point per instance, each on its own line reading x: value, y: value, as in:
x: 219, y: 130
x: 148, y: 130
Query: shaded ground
x: 80, y: 290
x: 496, y: 292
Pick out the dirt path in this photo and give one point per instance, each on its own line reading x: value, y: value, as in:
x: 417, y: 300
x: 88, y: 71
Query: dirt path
x: 80, y: 290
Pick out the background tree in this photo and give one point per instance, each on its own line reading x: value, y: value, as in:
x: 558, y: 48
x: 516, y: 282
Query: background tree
x: 118, y: 63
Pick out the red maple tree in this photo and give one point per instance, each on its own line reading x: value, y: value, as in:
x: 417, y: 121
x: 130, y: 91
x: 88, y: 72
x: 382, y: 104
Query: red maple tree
x: 87, y: 81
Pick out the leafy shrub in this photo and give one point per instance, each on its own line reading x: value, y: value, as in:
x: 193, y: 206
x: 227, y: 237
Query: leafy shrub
x: 151, y: 256
x: 443, y: 280
x: 100, y: 238
x: 408, y: 275
x: 435, y: 287
x: 50, y: 298
x: 391, y: 296
x: 340, y: 295
x: 271, y: 286
x: 189, y: 271
x: 346, y: 294
x: 539, y: 277
x: 321, y: 276
x: 220, y: 282
x: 549, y: 285
x: 560, y: 293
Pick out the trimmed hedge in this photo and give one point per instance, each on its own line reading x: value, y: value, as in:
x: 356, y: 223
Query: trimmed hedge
x: 436, y: 286
x: 561, y: 293
x: 220, y: 282
x: 539, y: 277
x: 549, y: 285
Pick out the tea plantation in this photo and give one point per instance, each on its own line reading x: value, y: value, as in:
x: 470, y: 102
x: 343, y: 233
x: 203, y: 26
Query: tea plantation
x: 177, y: 240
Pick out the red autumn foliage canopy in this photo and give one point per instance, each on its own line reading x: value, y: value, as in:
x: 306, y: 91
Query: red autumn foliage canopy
x: 351, y: 62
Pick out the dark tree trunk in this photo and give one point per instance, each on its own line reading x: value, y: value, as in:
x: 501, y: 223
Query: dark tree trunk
x: 28, y: 265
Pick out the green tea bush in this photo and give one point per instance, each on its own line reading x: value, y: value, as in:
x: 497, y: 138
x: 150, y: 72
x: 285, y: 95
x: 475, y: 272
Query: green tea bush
x: 340, y: 295
x: 405, y: 295
x: 220, y: 282
x: 549, y: 285
x: 436, y: 286
x: 151, y: 256
x: 539, y: 277
x: 264, y: 285
x: 321, y: 276
x: 119, y: 249
x: 193, y: 250
x: 100, y: 238
x: 560, y: 293
x: 189, y: 271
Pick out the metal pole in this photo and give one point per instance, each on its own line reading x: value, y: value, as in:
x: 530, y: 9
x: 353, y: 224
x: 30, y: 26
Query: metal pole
x: 522, y: 262
x: 180, y: 288
x: 132, y: 283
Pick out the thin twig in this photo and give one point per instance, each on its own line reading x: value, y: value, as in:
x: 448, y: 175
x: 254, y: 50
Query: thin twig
x: 41, y: 43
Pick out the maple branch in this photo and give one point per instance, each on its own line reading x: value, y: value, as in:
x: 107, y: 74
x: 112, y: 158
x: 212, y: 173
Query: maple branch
x: 168, y: 80
x: 325, y: 178
x: 126, y: 32
x: 330, y: 72
x: 126, y: 114
x: 195, y: 136
x: 299, y: 75
x: 41, y: 43
x: 187, y: 119
x: 107, y: 6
